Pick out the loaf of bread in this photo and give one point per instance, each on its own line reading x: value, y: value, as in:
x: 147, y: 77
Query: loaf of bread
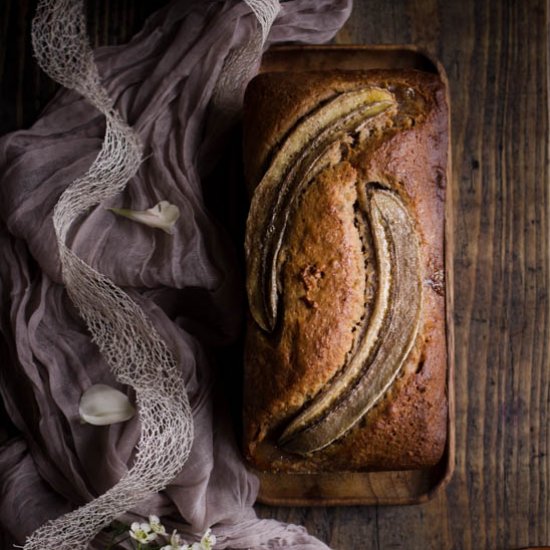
x: 345, y: 359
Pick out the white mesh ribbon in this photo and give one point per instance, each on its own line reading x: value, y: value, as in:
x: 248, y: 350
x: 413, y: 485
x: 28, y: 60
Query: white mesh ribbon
x: 129, y: 342
x: 265, y: 11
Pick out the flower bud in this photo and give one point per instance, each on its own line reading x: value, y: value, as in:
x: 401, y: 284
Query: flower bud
x: 101, y: 405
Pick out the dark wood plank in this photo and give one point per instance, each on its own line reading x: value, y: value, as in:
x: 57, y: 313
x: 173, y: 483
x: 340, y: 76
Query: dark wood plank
x: 496, y: 56
x: 24, y: 88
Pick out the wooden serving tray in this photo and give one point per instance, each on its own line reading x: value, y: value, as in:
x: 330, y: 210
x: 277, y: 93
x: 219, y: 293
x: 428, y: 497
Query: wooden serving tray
x: 381, y: 487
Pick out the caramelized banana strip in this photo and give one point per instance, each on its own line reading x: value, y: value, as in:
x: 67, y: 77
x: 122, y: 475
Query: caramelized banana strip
x: 387, y: 341
x: 291, y: 168
x: 368, y: 337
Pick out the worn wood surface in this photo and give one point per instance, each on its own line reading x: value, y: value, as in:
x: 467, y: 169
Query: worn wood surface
x: 496, y: 56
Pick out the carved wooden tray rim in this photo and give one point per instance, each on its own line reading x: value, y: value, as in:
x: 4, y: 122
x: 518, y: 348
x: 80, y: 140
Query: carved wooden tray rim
x: 380, y: 487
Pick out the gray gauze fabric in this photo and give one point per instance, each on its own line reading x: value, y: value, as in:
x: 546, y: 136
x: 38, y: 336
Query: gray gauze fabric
x: 188, y: 283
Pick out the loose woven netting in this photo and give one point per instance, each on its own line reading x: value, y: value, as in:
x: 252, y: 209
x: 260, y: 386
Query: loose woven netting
x: 129, y: 342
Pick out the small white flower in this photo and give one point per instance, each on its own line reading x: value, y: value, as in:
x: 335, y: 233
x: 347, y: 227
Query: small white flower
x: 208, y: 540
x: 206, y: 543
x: 101, y: 405
x: 156, y: 525
x: 175, y: 543
x: 142, y: 532
x: 163, y: 215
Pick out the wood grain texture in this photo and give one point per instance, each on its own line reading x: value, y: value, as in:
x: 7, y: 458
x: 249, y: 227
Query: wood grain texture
x: 496, y: 56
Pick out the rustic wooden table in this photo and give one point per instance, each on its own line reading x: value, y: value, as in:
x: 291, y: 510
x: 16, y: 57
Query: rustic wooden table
x: 496, y: 55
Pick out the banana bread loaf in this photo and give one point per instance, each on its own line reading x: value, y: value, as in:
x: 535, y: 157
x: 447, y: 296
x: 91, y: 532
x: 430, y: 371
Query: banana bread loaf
x: 345, y: 359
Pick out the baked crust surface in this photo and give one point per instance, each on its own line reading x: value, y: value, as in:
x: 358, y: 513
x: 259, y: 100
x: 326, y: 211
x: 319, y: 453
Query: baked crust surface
x: 327, y: 279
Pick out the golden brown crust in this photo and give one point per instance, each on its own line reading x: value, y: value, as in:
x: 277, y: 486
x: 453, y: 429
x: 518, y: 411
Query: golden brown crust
x: 322, y: 268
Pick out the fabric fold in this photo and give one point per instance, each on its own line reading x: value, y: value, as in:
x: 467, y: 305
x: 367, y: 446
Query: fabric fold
x: 189, y: 284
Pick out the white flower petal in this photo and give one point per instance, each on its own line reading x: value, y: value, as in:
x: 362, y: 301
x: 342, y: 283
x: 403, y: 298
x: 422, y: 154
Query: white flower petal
x: 163, y: 215
x: 156, y: 525
x: 175, y: 539
x: 208, y: 540
x: 101, y: 405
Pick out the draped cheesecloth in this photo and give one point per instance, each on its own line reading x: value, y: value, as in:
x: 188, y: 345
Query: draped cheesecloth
x: 145, y: 123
